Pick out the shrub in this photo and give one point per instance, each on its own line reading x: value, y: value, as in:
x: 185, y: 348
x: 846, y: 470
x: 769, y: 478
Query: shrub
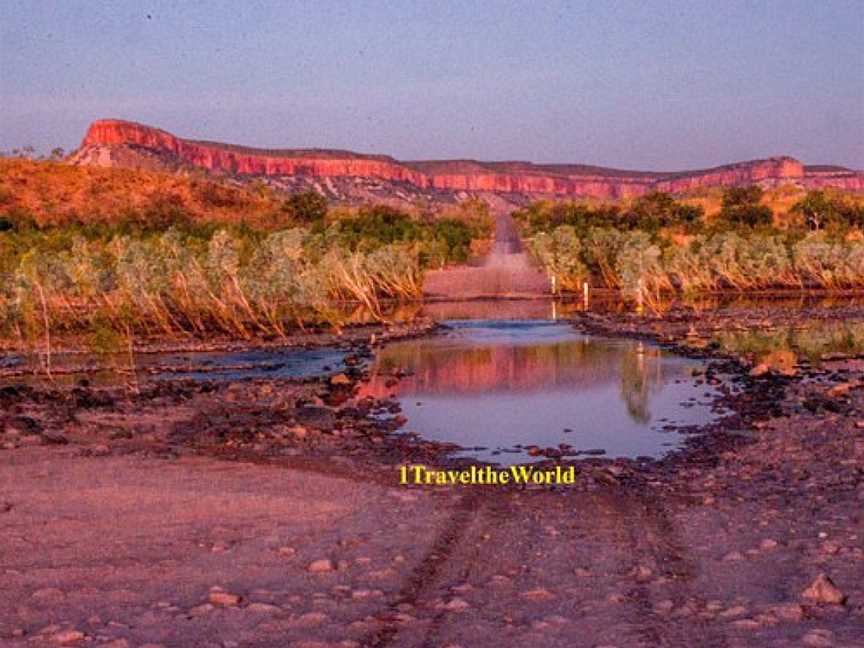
x: 560, y: 253
x: 306, y: 207
x: 741, y: 206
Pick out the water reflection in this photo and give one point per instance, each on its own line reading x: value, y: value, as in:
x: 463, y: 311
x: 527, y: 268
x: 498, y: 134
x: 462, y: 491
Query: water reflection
x: 558, y: 309
x: 505, y: 385
x: 814, y: 340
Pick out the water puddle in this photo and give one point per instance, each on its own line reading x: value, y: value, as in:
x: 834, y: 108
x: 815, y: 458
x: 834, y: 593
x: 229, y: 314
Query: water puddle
x: 504, y: 390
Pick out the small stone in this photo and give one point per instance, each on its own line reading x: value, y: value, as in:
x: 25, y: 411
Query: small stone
x: 823, y: 590
x: 48, y: 594
x: 642, y: 573
x: 538, y: 594
x: 733, y: 556
x: 320, y: 566
x: 787, y: 611
x: 734, y: 611
x: 66, y: 637
x: 263, y: 608
x: 54, y: 438
x: 456, y: 605
x: 830, y: 547
x: 664, y: 607
x: 286, y: 552
x: 767, y: 544
x: 842, y: 389
x: 116, y: 643
x: 200, y: 610
x: 225, y: 599
x: 309, y: 619
x: 746, y: 624
x: 100, y: 450
x: 340, y: 379
x: 819, y: 638
x: 760, y: 370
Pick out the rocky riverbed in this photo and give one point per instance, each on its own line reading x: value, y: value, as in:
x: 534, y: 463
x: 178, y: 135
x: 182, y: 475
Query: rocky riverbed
x: 268, y: 513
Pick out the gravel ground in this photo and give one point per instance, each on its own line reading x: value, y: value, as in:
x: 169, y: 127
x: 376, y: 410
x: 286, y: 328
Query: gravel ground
x: 268, y: 514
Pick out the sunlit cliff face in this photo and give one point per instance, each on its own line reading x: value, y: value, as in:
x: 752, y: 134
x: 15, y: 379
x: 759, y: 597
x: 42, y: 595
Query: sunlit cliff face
x: 454, y: 176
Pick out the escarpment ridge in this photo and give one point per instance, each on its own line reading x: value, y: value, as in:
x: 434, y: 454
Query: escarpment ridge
x: 526, y: 178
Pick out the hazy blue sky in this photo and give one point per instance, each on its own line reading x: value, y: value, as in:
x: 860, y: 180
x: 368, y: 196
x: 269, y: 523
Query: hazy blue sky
x: 641, y: 84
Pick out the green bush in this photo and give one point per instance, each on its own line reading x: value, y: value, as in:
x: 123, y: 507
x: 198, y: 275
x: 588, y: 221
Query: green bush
x: 306, y: 207
x: 741, y: 206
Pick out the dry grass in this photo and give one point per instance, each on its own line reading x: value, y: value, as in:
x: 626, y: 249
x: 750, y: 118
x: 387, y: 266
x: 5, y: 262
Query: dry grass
x: 53, y: 193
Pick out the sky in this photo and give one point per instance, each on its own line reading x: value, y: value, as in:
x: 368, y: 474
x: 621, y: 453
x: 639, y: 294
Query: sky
x: 636, y: 84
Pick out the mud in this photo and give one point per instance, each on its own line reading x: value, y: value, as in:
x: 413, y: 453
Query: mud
x: 122, y: 511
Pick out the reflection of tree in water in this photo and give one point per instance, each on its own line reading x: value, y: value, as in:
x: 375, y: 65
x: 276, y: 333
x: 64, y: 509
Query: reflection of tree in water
x: 811, y: 339
x: 637, y: 382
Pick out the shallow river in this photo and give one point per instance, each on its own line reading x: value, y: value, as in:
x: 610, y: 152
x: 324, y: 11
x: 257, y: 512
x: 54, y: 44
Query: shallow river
x: 498, y: 387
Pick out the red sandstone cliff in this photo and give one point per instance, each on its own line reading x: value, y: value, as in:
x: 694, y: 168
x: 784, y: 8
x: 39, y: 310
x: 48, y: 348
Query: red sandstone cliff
x: 459, y: 175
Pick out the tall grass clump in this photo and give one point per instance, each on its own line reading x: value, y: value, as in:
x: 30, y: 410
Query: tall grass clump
x: 196, y: 279
x: 658, y: 246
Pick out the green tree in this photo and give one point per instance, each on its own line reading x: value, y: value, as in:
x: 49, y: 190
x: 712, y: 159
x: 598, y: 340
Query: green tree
x: 306, y: 207
x: 822, y: 210
x: 741, y: 205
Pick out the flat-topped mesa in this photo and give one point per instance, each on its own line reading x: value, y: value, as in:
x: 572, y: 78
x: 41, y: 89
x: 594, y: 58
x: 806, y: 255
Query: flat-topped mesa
x: 455, y: 175
x: 248, y: 161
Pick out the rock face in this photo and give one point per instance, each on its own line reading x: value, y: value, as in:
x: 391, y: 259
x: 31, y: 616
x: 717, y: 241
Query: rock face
x: 447, y: 176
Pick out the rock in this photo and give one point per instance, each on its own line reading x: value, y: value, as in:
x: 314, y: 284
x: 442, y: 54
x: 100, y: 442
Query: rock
x: 116, y: 643
x: 538, y: 594
x: 286, y: 552
x: 664, y: 607
x: 733, y: 556
x: 100, y: 450
x: 320, y: 566
x: 734, y: 611
x: 842, y: 389
x: 823, y: 590
x: 322, y: 418
x: 66, y: 637
x: 48, y: 595
x: 263, y: 608
x: 456, y: 605
x: 767, y: 544
x: 340, y: 379
x: 642, y: 573
x: 223, y: 598
x: 200, y: 610
x: 746, y: 624
x: 760, y: 370
x: 309, y: 620
x: 54, y: 438
x: 818, y: 637
x: 787, y: 611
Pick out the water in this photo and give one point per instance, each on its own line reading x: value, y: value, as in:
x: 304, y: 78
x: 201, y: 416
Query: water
x: 261, y: 364
x: 497, y: 387
x: 247, y: 365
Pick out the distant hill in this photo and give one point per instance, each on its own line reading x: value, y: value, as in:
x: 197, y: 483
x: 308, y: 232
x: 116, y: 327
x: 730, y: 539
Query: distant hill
x: 355, y: 177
